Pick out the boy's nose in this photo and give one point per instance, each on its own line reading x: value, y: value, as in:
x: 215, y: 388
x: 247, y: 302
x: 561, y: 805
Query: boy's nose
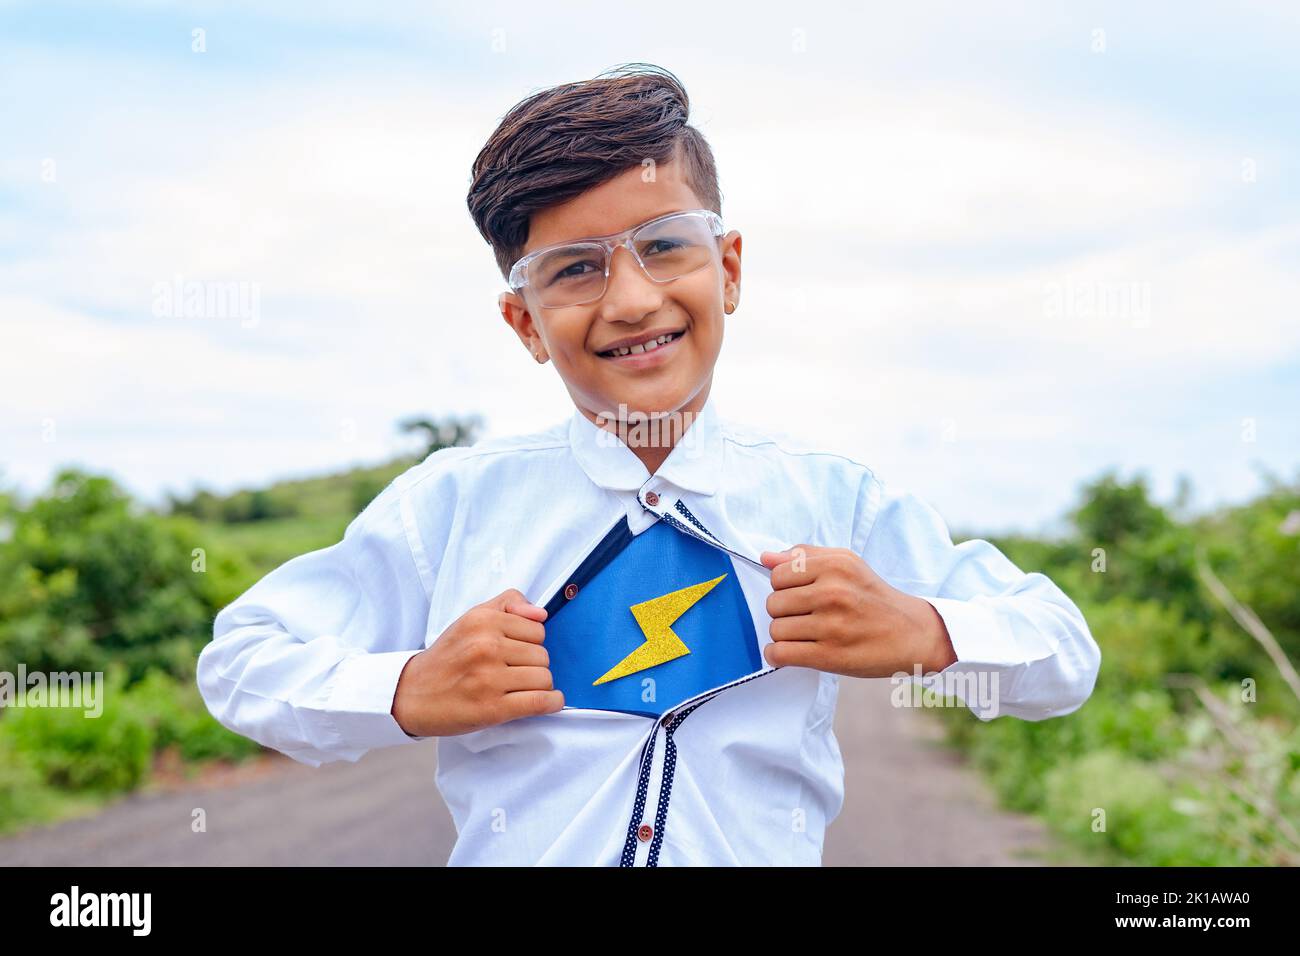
x: 629, y: 293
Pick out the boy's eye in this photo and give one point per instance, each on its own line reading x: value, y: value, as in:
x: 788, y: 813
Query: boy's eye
x: 573, y: 270
x: 660, y: 246
x: 568, y: 265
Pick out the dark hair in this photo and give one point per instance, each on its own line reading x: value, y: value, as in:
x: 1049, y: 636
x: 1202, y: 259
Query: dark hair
x: 564, y: 140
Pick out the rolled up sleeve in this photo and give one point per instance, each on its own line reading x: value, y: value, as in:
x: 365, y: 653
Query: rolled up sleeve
x: 1023, y: 647
x: 307, y: 660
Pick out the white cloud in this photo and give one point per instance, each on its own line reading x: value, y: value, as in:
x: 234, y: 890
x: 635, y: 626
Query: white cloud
x: 903, y: 245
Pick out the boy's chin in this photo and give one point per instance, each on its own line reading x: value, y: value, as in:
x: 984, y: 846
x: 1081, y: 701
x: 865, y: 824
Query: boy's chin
x: 631, y: 407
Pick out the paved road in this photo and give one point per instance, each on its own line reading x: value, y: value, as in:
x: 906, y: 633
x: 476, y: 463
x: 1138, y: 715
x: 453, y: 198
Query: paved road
x: 908, y: 801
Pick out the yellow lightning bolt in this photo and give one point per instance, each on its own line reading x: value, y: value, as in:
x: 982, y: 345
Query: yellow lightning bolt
x: 655, y: 618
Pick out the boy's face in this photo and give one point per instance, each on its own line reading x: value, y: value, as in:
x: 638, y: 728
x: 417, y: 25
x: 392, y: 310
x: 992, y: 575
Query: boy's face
x: 672, y: 378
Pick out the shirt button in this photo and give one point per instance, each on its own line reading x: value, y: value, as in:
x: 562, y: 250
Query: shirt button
x: 651, y: 498
x: 644, y: 832
x: 570, y: 591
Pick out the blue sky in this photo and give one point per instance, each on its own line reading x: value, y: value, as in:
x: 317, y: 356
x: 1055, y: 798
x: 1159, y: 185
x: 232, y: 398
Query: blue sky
x: 989, y: 253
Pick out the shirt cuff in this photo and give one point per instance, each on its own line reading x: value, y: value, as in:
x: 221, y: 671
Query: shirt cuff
x: 987, y: 661
x: 360, y: 705
x: 977, y: 633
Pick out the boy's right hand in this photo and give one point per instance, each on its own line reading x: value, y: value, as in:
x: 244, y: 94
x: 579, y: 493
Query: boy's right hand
x: 488, y: 667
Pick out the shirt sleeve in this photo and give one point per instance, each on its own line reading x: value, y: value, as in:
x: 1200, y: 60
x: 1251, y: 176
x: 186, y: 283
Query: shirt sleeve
x: 307, y: 660
x: 1023, y: 647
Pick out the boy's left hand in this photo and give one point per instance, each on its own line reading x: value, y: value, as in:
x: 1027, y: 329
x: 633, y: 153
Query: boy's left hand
x: 831, y: 612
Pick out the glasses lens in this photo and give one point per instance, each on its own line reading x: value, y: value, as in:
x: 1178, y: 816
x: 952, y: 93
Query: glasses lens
x: 675, y: 247
x: 568, y: 275
x: 575, y: 274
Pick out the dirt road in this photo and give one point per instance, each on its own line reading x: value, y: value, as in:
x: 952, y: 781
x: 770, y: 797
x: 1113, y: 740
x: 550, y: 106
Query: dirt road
x: 909, y: 801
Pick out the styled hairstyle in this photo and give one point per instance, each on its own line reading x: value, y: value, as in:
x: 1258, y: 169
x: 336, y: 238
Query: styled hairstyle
x: 556, y: 144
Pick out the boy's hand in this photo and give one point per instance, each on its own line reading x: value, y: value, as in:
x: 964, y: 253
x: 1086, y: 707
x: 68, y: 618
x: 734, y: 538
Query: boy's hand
x: 488, y: 667
x: 831, y: 612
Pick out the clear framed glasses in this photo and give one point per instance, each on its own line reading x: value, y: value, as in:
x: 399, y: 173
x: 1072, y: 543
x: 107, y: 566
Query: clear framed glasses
x: 577, y: 272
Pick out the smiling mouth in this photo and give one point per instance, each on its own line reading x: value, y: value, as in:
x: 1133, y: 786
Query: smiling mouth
x: 643, y: 347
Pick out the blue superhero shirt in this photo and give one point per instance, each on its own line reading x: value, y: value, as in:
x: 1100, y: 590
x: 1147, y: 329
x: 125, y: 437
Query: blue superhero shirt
x: 648, y: 621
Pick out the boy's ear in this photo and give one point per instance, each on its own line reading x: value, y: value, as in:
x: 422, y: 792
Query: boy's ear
x: 516, y: 315
x: 731, y: 267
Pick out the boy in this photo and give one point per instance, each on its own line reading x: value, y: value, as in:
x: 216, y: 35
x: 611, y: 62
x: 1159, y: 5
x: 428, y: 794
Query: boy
x: 645, y: 609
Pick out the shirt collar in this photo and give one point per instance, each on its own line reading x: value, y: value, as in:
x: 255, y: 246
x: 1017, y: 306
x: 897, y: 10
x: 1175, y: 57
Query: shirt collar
x: 694, y: 464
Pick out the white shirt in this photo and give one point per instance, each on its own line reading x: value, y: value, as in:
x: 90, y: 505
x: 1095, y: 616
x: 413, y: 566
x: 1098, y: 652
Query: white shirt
x: 307, y: 660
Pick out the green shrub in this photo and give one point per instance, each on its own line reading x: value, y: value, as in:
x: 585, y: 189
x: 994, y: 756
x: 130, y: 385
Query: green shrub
x: 175, y: 712
x: 1141, y: 642
x: 20, y: 785
x: 1147, y: 818
x: 68, y: 749
x: 87, y: 579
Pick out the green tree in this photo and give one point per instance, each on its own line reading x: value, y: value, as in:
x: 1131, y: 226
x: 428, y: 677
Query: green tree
x: 1148, y: 555
x: 443, y: 433
x: 86, y: 578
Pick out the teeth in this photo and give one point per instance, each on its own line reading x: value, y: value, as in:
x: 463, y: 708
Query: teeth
x: 643, y: 347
